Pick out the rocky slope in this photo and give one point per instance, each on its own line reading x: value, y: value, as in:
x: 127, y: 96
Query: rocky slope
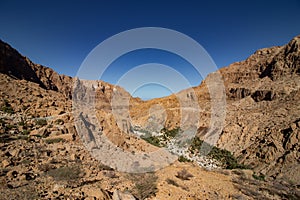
x: 262, y: 111
x: 42, y: 155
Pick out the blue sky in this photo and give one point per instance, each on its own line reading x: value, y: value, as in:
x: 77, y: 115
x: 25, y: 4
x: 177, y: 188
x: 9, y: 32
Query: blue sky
x: 60, y: 34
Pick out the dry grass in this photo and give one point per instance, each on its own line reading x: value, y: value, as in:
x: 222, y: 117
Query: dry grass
x: 145, y: 185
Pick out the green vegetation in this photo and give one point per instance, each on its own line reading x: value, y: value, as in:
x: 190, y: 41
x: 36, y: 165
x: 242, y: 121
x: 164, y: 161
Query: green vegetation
x: 160, y: 141
x: 183, y: 159
x: 225, y: 157
x: 26, y: 132
x: 170, y: 133
x: 260, y: 177
x: 22, y: 123
x: 222, y: 155
x: 10, y: 126
x: 2, y: 122
x: 7, y: 108
x: 154, y: 140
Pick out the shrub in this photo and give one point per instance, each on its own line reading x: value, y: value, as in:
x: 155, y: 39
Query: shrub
x: 41, y: 122
x: 21, y: 123
x: 23, y: 137
x: 67, y: 173
x: 183, y: 159
x: 152, y: 140
x: 7, y: 108
x: 260, y: 177
x: 196, y: 143
x: 184, y: 175
x: 10, y: 126
x: 172, y: 182
x: 2, y: 122
x: 226, y: 158
x: 145, y: 186
x: 222, y: 155
x: 26, y: 132
x: 160, y: 140
x: 170, y: 133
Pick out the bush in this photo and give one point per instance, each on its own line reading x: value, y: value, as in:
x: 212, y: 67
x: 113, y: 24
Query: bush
x: 170, y: 133
x: 2, y: 122
x: 226, y: 158
x: 172, y: 182
x: 184, y: 175
x: 145, y: 186
x: 183, y: 159
x: 159, y: 140
x: 196, y: 143
x: 22, y: 123
x: 153, y: 140
x: 10, y: 126
x: 41, y: 122
x: 222, y: 155
x: 67, y: 173
x: 7, y: 108
x: 26, y: 132
x: 23, y: 137
x: 260, y: 177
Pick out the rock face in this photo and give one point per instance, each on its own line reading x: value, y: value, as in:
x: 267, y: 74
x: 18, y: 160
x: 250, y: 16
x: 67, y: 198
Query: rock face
x: 15, y: 65
x: 40, y: 147
x: 260, y: 123
x: 262, y: 112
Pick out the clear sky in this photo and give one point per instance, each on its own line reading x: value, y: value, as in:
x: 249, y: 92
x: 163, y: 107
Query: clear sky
x: 60, y: 34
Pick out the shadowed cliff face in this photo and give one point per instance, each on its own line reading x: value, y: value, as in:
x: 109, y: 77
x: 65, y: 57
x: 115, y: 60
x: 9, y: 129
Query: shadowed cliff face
x: 17, y: 66
x: 14, y: 64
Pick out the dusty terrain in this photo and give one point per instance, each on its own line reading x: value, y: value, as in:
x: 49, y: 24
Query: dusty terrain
x: 43, y: 155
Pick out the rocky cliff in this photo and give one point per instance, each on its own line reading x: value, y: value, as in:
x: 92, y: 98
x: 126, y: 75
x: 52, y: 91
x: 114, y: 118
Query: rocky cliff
x: 17, y: 66
x: 43, y: 157
x: 262, y: 110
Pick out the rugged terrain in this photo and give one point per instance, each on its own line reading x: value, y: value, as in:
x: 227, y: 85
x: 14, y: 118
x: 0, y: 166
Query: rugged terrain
x: 262, y: 111
x: 43, y: 156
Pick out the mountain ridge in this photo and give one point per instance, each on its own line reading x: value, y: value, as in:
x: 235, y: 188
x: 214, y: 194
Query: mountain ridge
x: 261, y: 128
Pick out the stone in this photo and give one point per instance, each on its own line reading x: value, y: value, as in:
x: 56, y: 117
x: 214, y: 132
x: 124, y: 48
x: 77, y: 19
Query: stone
x: 95, y: 192
x: 5, y: 163
x: 66, y: 137
x: 118, y: 195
